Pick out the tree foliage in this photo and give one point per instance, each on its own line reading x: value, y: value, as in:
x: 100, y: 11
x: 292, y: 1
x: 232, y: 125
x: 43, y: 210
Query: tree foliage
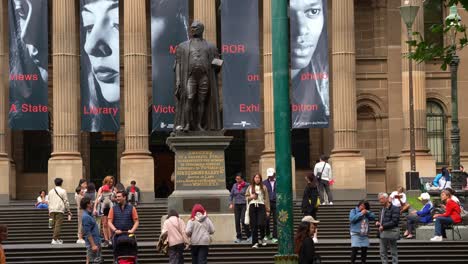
x: 427, y: 51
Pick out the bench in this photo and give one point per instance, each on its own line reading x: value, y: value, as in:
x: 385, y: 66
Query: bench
x: 454, y: 232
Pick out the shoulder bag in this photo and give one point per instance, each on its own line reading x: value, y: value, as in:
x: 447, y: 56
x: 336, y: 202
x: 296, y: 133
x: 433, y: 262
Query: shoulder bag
x: 319, y: 174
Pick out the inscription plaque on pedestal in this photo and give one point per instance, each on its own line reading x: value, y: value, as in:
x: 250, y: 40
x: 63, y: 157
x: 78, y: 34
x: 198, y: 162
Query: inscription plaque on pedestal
x: 200, y: 169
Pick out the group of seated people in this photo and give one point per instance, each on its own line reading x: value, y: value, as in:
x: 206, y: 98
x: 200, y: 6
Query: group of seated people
x: 448, y: 213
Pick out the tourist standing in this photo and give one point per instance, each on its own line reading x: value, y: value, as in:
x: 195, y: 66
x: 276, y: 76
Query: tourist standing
x: 90, y: 233
x: 323, y: 172
x: 104, y: 204
x: 79, y: 194
x: 258, y: 208
x: 176, y: 236
x: 199, y: 229
x: 388, y: 228
x: 451, y: 216
x: 3, y: 237
x: 359, y: 218
x: 58, y: 206
x: 238, y: 203
x: 270, y: 184
x: 303, y: 242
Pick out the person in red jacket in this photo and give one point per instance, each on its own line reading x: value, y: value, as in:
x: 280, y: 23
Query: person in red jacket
x: 451, y: 216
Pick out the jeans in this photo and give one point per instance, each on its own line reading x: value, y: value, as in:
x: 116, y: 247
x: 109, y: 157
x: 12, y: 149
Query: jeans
x: 363, y: 254
x: 274, y: 217
x: 324, y: 186
x: 42, y: 206
x: 199, y: 254
x: 176, y: 254
x: 239, y: 216
x: 440, y: 224
x: 384, y: 245
x: 57, y: 219
x: 257, y: 221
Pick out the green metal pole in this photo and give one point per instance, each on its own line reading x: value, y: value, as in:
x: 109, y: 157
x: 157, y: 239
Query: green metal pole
x: 282, y: 113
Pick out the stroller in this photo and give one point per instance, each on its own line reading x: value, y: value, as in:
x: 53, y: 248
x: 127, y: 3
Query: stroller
x: 125, y: 249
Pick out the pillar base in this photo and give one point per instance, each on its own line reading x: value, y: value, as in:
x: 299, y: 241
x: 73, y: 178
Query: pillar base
x: 212, y: 200
x: 425, y: 165
x: 141, y: 170
x: 5, y: 180
x: 349, y: 173
x: 286, y: 259
x: 70, y: 170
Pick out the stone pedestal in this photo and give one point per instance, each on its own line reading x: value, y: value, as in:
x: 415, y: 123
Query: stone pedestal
x: 5, y: 180
x: 349, y: 173
x: 70, y: 170
x: 141, y: 170
x: 199, y: 173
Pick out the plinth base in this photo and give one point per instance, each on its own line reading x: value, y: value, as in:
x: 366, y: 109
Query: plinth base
x: 141, y: 170
x: 349, y: 173
x: 212, y: 200
x: 70, y: 170
x: 286, y: 259
x: 5, y: 180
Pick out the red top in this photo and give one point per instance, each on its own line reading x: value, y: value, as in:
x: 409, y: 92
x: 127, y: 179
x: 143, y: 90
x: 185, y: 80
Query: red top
x: 132, y: 189
x: 453, y: 210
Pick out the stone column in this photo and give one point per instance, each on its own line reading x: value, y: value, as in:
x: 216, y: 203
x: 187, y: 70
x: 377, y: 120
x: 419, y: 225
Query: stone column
x: 136, y: 162
x: 66, y: 160
x: 205, y: 12
x: 348, y: 165
x: 4, y: 160
x: 425, y: 163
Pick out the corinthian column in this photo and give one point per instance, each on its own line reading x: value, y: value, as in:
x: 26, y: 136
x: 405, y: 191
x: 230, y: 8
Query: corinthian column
x: 348, y: 165
x: 205, y: 12
x: 4, y: 160
x: 66, y: 161
x: 136, y: 162
x: 425, y: 163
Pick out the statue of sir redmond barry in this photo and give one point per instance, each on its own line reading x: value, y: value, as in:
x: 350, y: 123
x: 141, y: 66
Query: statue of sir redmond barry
x: 197, y: 63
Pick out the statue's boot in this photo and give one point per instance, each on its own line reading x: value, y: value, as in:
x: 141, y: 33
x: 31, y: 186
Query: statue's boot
x: 186, y: 128
x: 201, y: 112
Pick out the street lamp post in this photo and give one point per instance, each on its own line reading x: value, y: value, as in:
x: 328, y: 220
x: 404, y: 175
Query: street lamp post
x: 453, y: 19
x: 408, y: 13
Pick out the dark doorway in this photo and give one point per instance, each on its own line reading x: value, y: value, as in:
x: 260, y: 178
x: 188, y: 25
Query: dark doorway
x: 235, y: 156
x: 103, y: 156
x: 163, y: 165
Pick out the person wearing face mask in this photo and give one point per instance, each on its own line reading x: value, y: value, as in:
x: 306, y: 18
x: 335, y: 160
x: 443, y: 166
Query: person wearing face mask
x: 100, y: 67
x: 28, y: 63
x: 309, y: 63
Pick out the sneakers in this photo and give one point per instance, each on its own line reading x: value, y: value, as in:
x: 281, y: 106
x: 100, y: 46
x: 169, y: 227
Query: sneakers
x: 331, y: 203
x: 437, y: 239
x: 105, y: 244
x: 315, y: 240
x: 237, y: 241
x: 264, y: 242
x: 249, y: 239
x: 56, y: 242
x: 255, y: 245
x: 274, y: 240
x: 80, y: 241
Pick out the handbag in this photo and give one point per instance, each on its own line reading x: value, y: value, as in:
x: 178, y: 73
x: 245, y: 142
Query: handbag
x: 392, y: 234
x: 319, y: 174
x: 163, y: 244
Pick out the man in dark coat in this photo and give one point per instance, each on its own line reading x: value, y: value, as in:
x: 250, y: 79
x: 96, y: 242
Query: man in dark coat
x: 388, y: 228
x: 196, y: 91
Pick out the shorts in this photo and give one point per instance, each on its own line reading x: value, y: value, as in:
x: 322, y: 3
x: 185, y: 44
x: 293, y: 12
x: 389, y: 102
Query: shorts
x: 105, y: 211
x: 94, y: 257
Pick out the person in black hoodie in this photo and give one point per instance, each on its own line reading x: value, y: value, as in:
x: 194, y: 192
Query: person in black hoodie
x: 310, y: 197
x: 389, y: 232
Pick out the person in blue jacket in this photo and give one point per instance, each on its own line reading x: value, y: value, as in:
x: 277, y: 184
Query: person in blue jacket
x: 423, y: 216
x: 359, y: 218
x: 443, y: 179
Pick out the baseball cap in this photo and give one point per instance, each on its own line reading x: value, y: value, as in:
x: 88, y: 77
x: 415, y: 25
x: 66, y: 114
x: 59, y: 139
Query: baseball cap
x: 310, y: 219
x: 270, y: 172
x: 424, y: 196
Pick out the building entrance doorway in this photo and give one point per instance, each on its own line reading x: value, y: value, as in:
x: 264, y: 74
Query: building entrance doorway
x: 103, y: 156
x: 163, y: 165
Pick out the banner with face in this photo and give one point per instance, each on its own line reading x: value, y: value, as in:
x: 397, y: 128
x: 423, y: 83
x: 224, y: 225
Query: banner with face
x: 100, y: 65
x: 169, y: 27
x: 240, y: 51
x: 28, y: 107
x: 309, y: 64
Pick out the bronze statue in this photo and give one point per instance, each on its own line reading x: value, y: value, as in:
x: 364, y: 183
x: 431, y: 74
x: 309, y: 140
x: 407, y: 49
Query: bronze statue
x: 197, y: 63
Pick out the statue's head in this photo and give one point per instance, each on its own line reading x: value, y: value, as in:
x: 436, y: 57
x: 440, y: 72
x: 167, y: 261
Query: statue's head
x: 197, y: 29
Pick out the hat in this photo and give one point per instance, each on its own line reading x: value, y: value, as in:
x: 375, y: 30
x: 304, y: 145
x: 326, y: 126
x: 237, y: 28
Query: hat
x: 309, y: 219
x: 270, y: 172
x: 424, y: 196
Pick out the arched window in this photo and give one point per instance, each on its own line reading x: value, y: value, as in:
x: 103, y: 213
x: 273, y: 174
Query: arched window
x: 435, y: 120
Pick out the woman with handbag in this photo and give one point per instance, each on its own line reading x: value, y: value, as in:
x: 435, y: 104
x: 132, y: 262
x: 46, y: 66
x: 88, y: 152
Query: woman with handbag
x: 311, y: 199
x: 199, y: 229
x: 174, y: 228
x: 303, y: 242
x: 359, y: 218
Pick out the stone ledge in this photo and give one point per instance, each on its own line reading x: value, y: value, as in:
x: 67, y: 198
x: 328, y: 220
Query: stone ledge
x: 426, y: 232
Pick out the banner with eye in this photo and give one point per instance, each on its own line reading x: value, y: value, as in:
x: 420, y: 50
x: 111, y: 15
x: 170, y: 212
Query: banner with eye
x: 100, y: 65
x: 310, y: 105
x: 28, y: 100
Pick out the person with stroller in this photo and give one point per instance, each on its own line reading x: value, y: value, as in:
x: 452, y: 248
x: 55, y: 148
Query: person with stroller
x: 91, y: 234
x: 123, y: 222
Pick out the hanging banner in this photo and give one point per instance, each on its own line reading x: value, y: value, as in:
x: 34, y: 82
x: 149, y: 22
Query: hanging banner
x: 309, y: 64
x: 28, y: 108
x: 100, y: 67
x: 241, y: 77
x: 169, y: 27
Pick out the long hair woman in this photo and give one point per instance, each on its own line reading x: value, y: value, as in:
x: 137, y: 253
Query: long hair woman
x: 258, y: 204
x: 104, y: 202
x: 175, y: 229
x: 303, y: 242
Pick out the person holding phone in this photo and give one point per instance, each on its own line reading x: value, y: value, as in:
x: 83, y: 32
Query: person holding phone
x: 258, y: 204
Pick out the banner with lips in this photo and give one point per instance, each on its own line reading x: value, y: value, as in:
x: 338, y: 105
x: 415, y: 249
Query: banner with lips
x: 28, y: 100
x: 169, y: 27
x: 310, y: 105
x: 100, y: 67
x: 241, y: 55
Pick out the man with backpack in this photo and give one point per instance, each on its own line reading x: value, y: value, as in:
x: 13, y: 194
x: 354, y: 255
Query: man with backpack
x: 323, y: 172
x: 58, y: 206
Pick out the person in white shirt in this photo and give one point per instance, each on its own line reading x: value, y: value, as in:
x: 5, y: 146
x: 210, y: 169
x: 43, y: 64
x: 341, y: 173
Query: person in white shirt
x: 42, y: 200
x: 323, y: 172
x: 58, y: 206
x: 398, y: 197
